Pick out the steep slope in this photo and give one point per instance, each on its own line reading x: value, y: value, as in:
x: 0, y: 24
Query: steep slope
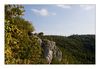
x: 20, y: 46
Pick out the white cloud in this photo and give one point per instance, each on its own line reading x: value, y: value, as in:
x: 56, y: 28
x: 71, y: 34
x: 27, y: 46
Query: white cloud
x: 87, y: 7
x: 63, y: 6
x: 43, y: 12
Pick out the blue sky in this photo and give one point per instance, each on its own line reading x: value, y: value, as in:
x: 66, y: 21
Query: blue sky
x: 62, y: 19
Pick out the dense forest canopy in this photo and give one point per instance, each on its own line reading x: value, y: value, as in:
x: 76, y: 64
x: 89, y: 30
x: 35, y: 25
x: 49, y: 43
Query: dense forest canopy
x: 76, y: 49
x: 23, y: 47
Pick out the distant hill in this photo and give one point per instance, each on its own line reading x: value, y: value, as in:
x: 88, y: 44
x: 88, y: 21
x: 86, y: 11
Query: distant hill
x: 76, y: 49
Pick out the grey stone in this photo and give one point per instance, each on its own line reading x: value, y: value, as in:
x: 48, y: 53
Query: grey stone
x: 51, y: 50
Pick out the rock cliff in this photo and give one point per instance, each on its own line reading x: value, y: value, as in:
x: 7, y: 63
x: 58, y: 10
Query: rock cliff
x: 50, y: 50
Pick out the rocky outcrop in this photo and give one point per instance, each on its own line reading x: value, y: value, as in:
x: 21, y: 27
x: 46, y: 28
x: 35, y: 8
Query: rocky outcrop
x: 51, y: 50
x: 57, y: 53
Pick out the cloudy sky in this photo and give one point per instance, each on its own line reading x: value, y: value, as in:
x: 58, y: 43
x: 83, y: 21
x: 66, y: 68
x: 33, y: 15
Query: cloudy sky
x: 58, y: 19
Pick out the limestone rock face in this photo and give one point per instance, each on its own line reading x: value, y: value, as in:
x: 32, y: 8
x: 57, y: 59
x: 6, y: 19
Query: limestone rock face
x: 51, y: 50
x: 57, y: 53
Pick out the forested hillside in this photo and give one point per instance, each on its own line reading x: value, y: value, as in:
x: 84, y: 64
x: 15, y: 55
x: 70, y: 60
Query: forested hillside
x: 76, y: 49
x: 23, y: 47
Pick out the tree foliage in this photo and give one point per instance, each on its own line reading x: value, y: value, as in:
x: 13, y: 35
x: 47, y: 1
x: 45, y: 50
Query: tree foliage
x: 13, y: 11
x: 76, y: 49
x: 20, y: 47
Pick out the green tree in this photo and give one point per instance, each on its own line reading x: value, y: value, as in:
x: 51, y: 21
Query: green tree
x: 41, y: 34
x: 20, y: 47
x: 13, y: 11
